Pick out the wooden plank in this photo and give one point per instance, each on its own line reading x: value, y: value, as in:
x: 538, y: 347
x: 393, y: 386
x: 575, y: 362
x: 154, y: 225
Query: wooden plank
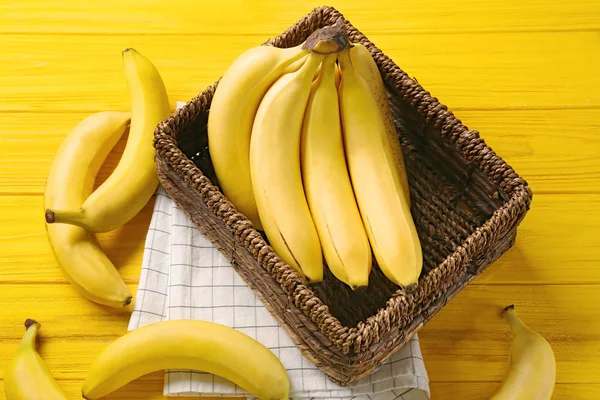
x: 227, y: 16
x: 28, y: 148
x: 556, y: 151
x: 65, y: 316
x: 466, y: 341
x: 83, y: 72
x: 146, y: 388
x: 549, y: 148
x: 483, y: 390
x: 26, y: 252
x: 556, y: 243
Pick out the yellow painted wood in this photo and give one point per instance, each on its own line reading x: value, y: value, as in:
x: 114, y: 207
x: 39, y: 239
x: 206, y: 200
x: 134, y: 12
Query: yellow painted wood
x: 189, y: 16
x: 62, y: 72
x: 556, y: 243
x: 152, y: 390
x: 28, y: 143
x: 147, y: 388
x: 26, y: 254
x: 482, y: 390
x: 466, y: 341
x: 522, y: 73
x: 567, y: 141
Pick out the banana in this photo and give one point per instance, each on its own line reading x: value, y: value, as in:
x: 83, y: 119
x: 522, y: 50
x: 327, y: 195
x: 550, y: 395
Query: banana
x: 531, y: 370
x: 367, y: 67
x: 276, y: 174
x: 70, y: 180
x: 191, y: 345
x: 133, y: 182
x: 27, y: 377
x: 327, y: 184
x: 376, y: 180
x: 231, y: 116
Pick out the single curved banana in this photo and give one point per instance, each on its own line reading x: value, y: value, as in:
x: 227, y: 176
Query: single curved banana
x: 231, y: 116
x: 327, y: 184
x: 376, y: 180
x: 531, y: 371
x: 190, y: 345
x: 70, y: 181
x: 276, y: 172
x: 367, y: 68
x: 133, y: 182
x: 27, y: 377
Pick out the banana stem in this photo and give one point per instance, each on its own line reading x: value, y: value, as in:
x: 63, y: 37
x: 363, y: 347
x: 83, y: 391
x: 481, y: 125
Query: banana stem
x: 515, y: 323
x: 74, y: 217
x: 31, y: 330
x: 329, y: 39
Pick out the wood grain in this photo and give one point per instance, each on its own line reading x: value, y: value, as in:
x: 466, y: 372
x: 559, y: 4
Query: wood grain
x: 467, y: 341
x: 268, y: 18
x: 28, y: 144
x: 524, y: 74
x: 482, y: 390
x: 62, y: 72
x: 26, y: 252
x: 555, y: 244
x: 566, y: 141
x: 146, y: 389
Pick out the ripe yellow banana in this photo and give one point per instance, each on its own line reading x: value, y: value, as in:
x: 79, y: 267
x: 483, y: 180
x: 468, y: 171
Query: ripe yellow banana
x: 327, y: 184
x: 27, y: 377
x: 367, y: 67
x: 376, y: 180
x: 70, y: 181
x: 231, y: 116
x: 134, y: 180
x: 532, y: 367
x: 276, y: 173
x: 193, y: 345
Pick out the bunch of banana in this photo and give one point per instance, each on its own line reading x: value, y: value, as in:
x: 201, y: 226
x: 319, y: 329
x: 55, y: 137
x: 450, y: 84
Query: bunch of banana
x: 303, y: 143
x: 74, y: 211
x: 188, y: 344
x: 27, y: 377
x: 531, y: 372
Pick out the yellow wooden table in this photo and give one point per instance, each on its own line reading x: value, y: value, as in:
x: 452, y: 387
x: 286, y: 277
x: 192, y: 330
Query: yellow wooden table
x: 523, y: 73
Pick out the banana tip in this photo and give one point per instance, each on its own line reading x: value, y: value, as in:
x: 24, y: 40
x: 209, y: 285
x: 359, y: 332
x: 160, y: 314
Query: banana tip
x: 49, y: 216
x: 127, y: 50
x: 29, y: 322
x: 506, y: 309
x: 128, y: 301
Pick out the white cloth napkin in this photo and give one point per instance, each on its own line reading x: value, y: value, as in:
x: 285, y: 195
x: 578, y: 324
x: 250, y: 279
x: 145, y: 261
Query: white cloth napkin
x: 184, y: 277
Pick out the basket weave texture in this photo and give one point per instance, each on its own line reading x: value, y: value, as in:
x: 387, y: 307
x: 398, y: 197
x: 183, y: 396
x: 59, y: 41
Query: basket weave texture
x: 466, y: 203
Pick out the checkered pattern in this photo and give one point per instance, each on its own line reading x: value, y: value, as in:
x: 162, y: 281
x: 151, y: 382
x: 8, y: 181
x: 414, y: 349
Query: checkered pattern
x: 184, y: 277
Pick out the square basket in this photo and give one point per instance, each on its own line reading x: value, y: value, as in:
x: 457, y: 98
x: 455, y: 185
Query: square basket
x: 466, y: 203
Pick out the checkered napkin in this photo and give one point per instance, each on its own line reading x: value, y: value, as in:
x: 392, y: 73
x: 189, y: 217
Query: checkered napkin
x: 184, y: 277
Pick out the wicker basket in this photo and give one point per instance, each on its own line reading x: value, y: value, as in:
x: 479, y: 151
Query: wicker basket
x: 466, y: 202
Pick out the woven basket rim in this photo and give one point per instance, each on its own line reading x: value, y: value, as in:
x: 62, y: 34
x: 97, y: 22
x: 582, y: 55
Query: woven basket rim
x: 403, y: 306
